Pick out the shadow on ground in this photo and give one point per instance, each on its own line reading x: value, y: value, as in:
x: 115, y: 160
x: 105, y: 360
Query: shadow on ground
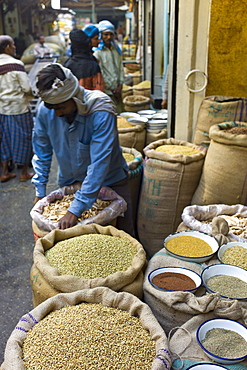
x: 16, y: 248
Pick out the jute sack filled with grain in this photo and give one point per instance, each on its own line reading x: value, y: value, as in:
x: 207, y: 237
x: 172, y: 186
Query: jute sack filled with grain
x: 201, y: 218
x: 173, y: 309
x: 134, y: 176
x: 88, y: 337
x: 217, y: 109
x: 48, y: 211
x: 28, y: 55
x: 169, y: 182
x: 150, y: 137
x: 185, y: 348
x: 126, y: 91
x: 134, y: 103
x: 223, y: 179
x: 132, y: 137
x: 143, y: 88
x: 87, y: 256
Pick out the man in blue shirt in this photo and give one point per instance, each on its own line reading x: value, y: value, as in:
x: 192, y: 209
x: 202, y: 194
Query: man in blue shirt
x: 79, y: 126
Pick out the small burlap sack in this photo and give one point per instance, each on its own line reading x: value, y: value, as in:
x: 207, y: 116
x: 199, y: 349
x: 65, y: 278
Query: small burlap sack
x: 104, y: 217
x: 132, y: 137
x: 122, y: 301
x: 134, y: 103
x: 168, y: 184
x: 151, y: 137
x: 173, y: 309
x: 183, y: 343
x: 193, y: 217
x: 28, y: 55
x: 223, y: 179
x: 217, y: 109
x: 132, y: 278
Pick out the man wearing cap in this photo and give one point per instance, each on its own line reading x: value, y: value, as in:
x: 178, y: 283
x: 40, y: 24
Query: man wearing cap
x: 79, y: 126
x: 109, y: 57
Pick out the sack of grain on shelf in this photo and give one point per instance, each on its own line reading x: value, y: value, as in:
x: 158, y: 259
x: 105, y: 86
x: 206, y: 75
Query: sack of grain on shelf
x: 86, y: 256
x: 134, y: 103
x: 217, y: 109
x: 143, y: 88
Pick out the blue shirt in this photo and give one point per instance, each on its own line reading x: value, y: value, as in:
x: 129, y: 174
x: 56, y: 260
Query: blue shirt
x: 87, y: 150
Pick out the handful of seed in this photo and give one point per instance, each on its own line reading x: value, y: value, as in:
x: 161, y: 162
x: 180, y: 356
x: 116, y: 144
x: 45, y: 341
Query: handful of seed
x: 88, y: 336
x: 91, y: 255
x: 54, y: 211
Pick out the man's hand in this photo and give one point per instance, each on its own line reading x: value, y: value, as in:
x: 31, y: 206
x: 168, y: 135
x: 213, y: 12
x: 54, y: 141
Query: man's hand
x: 37, y: 199
x: 118, y: 93
x: 68, y: 220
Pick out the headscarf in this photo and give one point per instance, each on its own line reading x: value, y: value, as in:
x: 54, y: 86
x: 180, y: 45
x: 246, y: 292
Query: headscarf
x: 91, y: 30
x: 107, y: 26
x: 79, y: 41
x: 87, y: 101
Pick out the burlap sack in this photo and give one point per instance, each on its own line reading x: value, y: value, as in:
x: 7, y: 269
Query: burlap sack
x: 28, y: 55
x: 168, y: 184
x: 224, y: 174
x: 134, y: 103
x: 105, y: 296
x: 183, y: 343
x: 104, y: 217
x: 173, y: 309
x: 42, y: 289
x: 150, y: 137
x: 68, y: 283
x: 132, y: 137
x: 193, y: 217
x: 217, y: 109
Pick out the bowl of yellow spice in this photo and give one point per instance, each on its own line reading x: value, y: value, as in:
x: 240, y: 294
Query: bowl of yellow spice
x: 191, y: 245
x: 233, y: 253
x: 223, y: 340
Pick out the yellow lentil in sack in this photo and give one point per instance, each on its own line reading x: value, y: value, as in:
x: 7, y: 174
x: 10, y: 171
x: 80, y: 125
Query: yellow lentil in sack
x: 189, y: 246
x: 145, y: 83
x: 177, y: 149
x: 128, y: 157
x: 122, y: 122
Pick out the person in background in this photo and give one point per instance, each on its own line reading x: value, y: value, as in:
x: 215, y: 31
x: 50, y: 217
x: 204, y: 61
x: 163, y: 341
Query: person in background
x: 79, y: 126
x: 28, y: 38
x: 16, y: 120
x: 41, y: 50
x: 165, y: 92
x: 82, y: 62
x: 20, y: 45
x: 92, y: 32
x: 109, y: 56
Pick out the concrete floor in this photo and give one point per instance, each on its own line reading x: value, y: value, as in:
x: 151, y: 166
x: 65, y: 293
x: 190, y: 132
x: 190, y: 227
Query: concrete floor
x: 16, y: 248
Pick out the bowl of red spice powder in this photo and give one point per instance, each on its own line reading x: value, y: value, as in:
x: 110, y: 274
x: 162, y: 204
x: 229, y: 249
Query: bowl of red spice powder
x: 175, y: 279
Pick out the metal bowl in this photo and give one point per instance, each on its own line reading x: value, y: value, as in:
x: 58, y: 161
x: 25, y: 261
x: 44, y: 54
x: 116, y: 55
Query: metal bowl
x: 211, y: 240
x: 224, y: 324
